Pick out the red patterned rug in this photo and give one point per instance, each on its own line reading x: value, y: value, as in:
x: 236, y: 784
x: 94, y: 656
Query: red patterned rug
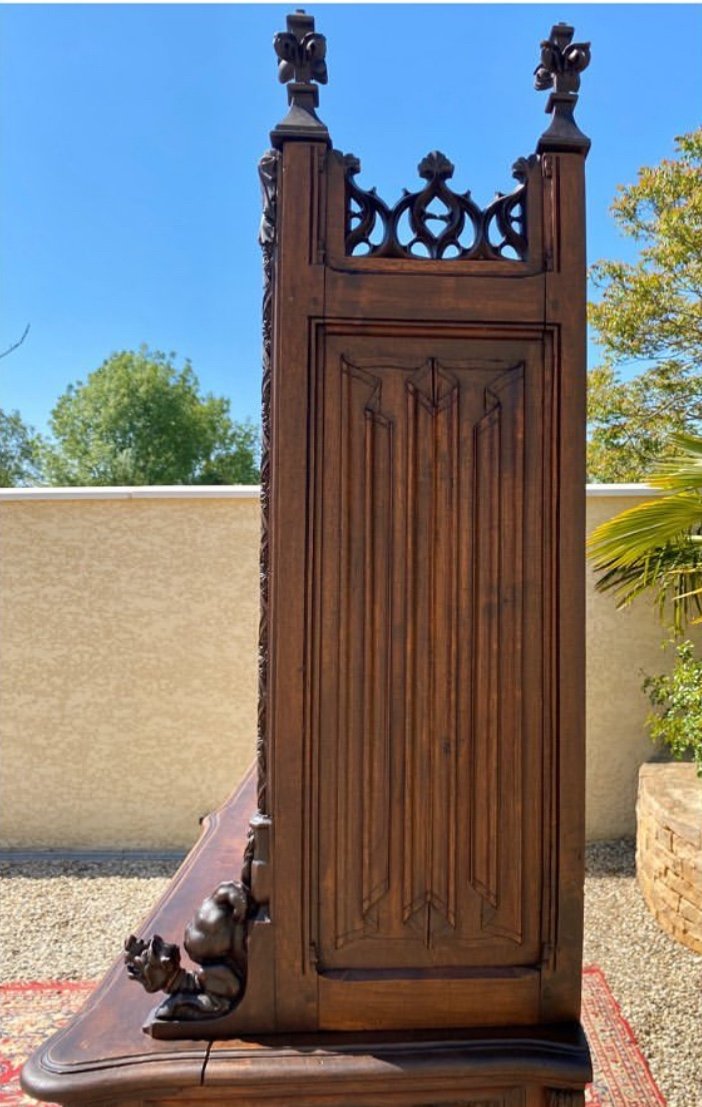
x: 29, y: 1013
x: 621, y: 1076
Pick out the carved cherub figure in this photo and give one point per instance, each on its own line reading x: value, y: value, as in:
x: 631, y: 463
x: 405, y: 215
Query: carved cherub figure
x: 217, y: 930
x: 215, y: 939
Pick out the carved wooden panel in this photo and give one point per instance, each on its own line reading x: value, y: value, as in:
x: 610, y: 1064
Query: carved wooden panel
x: 426, y: 736
x: 511, y: 1097
x: 570, y: 1097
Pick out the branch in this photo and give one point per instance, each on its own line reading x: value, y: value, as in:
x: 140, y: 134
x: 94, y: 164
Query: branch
x: 17, y: 344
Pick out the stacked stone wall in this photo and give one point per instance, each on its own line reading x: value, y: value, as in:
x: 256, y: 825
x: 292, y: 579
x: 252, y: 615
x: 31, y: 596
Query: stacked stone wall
x: 669, y: 849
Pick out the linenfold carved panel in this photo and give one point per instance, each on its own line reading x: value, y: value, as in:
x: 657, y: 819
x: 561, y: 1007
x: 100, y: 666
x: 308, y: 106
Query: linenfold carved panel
x: 496, y: 651
x: 364, y: 641
x: 432, y: 613
x: 418, y: 747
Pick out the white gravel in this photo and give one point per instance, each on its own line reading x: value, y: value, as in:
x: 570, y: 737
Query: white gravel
x: 657, y: 982
x: 67, y: 919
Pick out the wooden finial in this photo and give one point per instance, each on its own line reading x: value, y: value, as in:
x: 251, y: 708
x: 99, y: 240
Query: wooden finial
x: 562, y: 62
x: 301, y: 51
x: 301, y: 61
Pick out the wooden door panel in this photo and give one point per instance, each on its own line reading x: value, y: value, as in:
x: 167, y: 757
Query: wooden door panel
x: 424, y: 743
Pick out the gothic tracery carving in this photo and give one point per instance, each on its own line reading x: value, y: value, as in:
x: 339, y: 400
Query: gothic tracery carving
x: 496, y: 232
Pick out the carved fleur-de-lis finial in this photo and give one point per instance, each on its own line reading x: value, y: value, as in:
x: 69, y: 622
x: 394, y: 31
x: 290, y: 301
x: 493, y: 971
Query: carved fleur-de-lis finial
x: 562, y: 62
x: 301, y: 53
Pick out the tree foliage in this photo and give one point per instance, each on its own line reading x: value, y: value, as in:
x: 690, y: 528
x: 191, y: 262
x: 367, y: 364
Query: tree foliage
x: 19, y: 451
x: 650, y: 313
x: 140, y: 420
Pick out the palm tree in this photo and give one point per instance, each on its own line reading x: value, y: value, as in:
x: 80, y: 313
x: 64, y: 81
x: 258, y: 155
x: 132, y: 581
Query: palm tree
x: 657, y: 545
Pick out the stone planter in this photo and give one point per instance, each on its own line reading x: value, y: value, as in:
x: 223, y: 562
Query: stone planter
x: 669, y: 848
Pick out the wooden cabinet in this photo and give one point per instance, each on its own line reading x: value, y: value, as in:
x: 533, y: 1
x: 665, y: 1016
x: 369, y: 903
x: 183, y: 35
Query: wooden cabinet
x: 425, y: 695
x: 413, y: 877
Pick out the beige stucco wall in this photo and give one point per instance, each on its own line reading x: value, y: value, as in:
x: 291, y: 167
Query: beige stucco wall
x: 128, y: 667
x: 622, y: 646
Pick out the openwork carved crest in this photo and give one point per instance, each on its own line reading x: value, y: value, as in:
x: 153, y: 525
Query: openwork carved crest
x: 405, y: 231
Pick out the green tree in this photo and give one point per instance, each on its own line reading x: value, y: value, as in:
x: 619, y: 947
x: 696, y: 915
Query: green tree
x: 650, y: 313
x: 140, y: 420
x: 20, y: 448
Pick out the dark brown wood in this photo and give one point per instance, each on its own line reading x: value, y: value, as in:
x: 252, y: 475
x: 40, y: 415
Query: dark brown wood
x: 469, y: 232
x: 413, y: 868
x: 301, y: 53
x: 104, y: 1056
x: 431, y: 420
x: 562, y: 62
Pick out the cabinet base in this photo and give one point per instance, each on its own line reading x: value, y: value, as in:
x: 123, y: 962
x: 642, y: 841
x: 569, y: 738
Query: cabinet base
x: 104, y: 1057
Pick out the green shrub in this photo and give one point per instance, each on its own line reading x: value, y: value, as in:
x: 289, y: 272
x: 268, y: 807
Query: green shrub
x: 677, y: 700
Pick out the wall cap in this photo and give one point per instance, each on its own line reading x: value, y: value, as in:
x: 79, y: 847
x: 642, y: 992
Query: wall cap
x: 138, y: 492
x: 612, y: 490
x: 230, y: 492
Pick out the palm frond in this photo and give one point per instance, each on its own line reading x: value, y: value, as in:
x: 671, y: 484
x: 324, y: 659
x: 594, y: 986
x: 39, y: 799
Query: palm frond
x: 657, y: 545
x: 683, y: 471
x: 642, y: 530
x: 673, y: 573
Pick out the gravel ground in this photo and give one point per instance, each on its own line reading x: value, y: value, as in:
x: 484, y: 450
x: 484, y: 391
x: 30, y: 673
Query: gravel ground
x: 657, y: 982
x: 68, y: 919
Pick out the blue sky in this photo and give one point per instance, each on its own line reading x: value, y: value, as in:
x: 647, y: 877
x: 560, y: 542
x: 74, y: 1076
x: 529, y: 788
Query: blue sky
x: 129, y: 198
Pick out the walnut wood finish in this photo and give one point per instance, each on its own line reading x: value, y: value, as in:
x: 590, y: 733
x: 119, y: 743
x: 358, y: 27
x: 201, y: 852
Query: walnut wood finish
x: 415, y: 864
x: 426, y: 537
x: 104, y: 1057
